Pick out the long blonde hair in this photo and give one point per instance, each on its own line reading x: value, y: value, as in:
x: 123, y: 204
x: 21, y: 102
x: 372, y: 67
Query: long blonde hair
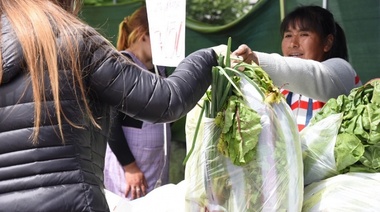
x: 132, y: 28
x: 35, y: 23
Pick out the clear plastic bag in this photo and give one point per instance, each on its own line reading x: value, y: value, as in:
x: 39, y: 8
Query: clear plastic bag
x: 318, y: 143
x: 273, y: 181
x: 350, y: 192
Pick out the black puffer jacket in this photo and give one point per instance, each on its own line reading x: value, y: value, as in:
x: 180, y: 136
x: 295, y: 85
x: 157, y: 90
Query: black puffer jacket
x: 52, y: 176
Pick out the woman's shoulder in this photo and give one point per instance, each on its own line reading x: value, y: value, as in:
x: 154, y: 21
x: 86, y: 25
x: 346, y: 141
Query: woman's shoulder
x: 337, y: 60
x: 343, y: 70
x: 339, y: 64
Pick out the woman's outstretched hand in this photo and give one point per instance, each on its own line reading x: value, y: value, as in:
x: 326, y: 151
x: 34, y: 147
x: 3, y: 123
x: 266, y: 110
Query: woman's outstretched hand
x: 247, y: 55
x: 242, y: 53
x: 221, y: 50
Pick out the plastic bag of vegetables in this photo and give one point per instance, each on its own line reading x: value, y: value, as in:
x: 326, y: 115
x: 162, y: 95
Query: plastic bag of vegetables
x: 344, y: 136
x: 318, y: 142
x: 250, y: 153
x: 350, y: 192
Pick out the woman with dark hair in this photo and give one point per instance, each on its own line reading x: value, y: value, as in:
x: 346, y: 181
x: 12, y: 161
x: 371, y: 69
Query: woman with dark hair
x: 59, y: 81
x: 314, y: 66
x: 320, y: 21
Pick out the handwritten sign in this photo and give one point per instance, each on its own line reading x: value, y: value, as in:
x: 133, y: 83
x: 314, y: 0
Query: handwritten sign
x: 167, y: 30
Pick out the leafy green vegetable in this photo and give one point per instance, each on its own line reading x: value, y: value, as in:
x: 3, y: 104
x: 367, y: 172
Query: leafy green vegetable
x: 348, y: 150
x: 239, y: 123
x: 250, y: 162
x: 358, y: 141
x: 240, y: 131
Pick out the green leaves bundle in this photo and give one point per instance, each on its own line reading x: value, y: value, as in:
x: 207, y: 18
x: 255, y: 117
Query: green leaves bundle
x: 357, y: 144
x: 225, y: 102
x: 251, y: 149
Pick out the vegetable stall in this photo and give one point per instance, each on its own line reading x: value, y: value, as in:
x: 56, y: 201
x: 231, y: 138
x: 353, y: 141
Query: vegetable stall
x: 245, y: 152
x: 341, y: 153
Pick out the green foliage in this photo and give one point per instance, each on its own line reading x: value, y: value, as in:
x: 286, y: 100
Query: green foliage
x: 105, y: 2
x: 217, y: 12
x: 93, y: 2
x: 214, y: 12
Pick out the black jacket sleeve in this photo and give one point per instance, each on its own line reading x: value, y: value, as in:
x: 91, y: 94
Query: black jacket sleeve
x: 118, y: 143
x: 144, y: 96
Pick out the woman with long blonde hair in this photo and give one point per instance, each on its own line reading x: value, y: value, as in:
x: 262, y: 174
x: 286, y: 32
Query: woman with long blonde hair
x: 59, y: 83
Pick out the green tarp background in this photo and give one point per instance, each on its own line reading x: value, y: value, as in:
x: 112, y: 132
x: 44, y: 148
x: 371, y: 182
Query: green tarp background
x: 260, y: 30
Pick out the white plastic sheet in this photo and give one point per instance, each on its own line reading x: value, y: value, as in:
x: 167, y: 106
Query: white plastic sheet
x: 350, y: 192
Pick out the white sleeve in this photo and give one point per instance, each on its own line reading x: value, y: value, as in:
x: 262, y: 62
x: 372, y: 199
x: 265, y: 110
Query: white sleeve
x: 316, y: 80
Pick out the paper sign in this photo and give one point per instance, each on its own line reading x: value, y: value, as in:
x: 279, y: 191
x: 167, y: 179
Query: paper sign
x: 167, y: 30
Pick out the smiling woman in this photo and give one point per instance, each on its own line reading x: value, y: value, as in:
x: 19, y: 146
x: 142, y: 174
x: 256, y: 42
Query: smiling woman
x: 305, y: 43
x: 314, y: 66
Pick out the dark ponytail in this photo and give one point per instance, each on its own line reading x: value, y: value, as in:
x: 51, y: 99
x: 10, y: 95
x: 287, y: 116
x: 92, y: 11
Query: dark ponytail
x: 339, y: 47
